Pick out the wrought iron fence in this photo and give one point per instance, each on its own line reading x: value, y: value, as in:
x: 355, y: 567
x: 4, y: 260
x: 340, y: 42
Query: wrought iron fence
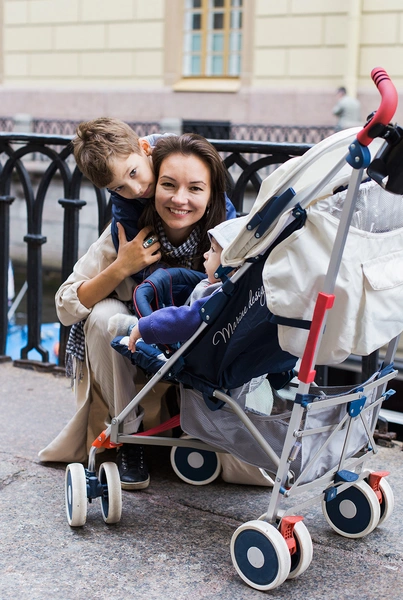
x: 296, y: 134
x: 218, y: 130
x: 65, y: 127
x: 35, y: 187
x: 222, y: 130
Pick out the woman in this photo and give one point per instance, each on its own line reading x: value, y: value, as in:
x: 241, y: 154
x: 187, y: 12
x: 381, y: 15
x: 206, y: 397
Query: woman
x: 189, y: 200
x: 181, y: 216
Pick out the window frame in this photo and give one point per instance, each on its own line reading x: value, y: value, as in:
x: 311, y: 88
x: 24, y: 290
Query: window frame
x: 206, y: 53
x: 173, y: 53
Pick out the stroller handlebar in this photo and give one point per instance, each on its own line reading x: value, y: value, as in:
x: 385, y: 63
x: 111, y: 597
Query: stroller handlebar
x: 386, y: 110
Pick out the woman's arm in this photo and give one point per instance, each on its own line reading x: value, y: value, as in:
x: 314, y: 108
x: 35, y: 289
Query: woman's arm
x: 132, y: 257
x: 98, y: 271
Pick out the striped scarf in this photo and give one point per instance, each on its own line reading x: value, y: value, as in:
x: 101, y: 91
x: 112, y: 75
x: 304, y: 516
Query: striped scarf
x: 75, y: 352
x: 186, y: 252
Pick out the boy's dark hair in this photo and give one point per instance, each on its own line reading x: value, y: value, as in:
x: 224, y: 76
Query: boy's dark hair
x: 192, y: 144
x: 98, y: 142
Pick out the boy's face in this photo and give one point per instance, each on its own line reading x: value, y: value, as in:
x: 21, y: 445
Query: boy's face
x: 212, y: 260
x: 133, y: 175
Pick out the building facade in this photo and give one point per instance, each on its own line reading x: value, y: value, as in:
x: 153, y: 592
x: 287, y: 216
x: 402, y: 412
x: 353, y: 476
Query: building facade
x: 244, y: 61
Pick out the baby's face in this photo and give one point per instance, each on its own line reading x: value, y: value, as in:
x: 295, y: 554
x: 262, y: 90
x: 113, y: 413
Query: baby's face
x: 133, y: 176
x: 212, y: 260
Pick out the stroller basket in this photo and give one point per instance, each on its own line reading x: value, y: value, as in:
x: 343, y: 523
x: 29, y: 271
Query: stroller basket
x: 322, y: 431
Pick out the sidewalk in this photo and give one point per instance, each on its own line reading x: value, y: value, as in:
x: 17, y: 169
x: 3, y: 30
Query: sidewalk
x: 173, y: 541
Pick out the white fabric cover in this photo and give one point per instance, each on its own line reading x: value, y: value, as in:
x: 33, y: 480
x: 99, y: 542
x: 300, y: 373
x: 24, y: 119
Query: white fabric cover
x: 369, y: 288
x: 302, y: 173
x: 368, y: 308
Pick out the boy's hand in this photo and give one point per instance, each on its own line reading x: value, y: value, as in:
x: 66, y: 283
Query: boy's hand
x: 134, y: 337
x: 134, y: 256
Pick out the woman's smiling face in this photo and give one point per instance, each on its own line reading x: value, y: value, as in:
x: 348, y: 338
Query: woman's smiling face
x: 182, y: 195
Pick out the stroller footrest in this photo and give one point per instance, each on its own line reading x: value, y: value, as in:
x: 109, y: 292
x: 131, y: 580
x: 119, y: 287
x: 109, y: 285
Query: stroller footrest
x: 343, y: 476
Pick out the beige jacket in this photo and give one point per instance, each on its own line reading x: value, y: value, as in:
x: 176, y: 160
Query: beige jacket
x: 91, y: 414
x: 100, y: 255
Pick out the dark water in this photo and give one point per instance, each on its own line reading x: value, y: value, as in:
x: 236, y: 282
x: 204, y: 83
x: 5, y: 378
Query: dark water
x: 17, y: 335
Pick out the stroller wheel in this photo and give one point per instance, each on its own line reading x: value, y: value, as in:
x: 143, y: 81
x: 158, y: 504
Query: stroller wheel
x: 76, y: 495
x: 260, y: 555
x: 353, y: 513
x: 388, y: 499
x: 197, y: 467
x: 111, y: 499
x: 302, y: 558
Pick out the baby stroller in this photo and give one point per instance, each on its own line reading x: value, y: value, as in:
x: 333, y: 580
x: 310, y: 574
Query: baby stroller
x: 319, y: 278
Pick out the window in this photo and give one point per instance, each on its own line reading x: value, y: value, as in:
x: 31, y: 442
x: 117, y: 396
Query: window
x: 213, y: 38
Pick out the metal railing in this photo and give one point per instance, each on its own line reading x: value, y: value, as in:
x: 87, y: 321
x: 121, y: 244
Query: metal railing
x: 245, y: 160
x: 65, y: 127
x: 218, y: 130
x: 294, y: 134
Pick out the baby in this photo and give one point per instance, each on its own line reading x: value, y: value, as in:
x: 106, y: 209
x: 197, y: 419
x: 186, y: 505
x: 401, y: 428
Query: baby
x: 178, y: 323
x: 173, y: 324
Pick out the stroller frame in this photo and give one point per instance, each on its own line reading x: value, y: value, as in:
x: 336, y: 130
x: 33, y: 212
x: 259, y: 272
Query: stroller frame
x: 278, y: 539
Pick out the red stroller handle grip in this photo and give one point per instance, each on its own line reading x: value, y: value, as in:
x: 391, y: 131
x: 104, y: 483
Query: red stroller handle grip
x: 386, y: 109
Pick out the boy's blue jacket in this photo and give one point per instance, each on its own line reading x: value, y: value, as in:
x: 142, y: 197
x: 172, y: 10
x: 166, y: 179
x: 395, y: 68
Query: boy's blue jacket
x: 127, y: 213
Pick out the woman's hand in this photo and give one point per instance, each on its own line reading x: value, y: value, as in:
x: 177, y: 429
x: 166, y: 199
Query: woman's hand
x: 135, y: 255
x: 132, y: 257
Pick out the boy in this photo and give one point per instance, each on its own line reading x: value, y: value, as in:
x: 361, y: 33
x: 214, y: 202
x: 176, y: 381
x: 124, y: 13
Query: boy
x: 110, y: 154
x: 178, y: 323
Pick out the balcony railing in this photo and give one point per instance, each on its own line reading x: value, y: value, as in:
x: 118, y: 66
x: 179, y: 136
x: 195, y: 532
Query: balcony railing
x: 217, y: 130
x: 29, y: 166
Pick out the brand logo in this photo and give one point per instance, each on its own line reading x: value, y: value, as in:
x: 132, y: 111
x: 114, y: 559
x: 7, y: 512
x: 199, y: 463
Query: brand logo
x: 225, y: 334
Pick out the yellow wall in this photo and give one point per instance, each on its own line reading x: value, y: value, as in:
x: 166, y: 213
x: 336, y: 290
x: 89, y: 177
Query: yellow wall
x: 312, y: 43
x: 83, y: 42
x: 296, y: 53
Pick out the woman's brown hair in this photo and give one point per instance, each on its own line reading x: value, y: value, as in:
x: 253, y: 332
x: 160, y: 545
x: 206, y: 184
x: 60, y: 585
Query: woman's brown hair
x: 196, y: 145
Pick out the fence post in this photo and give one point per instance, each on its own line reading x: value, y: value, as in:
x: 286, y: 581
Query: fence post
x: 216, y: 130
x: 5, y: 202
x: 34, y: 300
x: 70, y: 256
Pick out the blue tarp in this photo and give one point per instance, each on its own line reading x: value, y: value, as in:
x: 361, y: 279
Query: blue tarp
x: 17, y: 338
